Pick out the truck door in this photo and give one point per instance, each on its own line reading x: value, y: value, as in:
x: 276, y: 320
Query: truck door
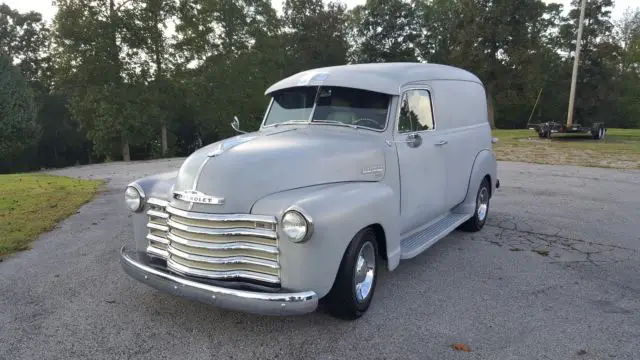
x: 421, y: 161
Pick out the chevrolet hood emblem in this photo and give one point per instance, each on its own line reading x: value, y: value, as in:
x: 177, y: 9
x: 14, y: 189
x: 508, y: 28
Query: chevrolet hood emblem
x: 193, y: 196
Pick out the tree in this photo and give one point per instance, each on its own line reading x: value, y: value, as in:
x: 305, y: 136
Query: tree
x: 96, y: 60
x: 19, y: 130
x: 627, y: 32
x: 384, y: 31
x: 315, y: 34
x: 24, y: 38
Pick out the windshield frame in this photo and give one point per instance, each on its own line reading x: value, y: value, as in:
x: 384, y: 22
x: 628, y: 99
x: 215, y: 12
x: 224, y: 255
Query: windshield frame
x: 322, y: 122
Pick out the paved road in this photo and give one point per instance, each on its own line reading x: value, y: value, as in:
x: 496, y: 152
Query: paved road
x: 554, y: 275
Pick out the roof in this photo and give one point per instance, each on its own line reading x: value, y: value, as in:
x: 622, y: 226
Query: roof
x: 380, y: 77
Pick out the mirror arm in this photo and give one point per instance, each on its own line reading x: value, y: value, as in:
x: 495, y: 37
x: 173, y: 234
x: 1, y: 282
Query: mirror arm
x: 235, y: 124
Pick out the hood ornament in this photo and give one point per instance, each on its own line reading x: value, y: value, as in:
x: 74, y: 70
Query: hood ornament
x: 193, y: 196
x: 218, y: 150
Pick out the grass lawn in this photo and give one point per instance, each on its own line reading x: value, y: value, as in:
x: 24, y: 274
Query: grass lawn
x: 31, y: 204
x: 620, y: 148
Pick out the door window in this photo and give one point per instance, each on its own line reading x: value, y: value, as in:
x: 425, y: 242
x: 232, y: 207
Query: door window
x: 415, y: 112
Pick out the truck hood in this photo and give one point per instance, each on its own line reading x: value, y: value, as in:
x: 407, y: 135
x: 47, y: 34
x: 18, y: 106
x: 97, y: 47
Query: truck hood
x: 245, y: 168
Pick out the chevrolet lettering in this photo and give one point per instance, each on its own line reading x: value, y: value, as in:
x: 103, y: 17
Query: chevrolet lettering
x: 197, y: 197
x: 353, y: 169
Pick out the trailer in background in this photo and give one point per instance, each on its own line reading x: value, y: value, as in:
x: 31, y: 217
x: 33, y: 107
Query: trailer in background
x: 544, y: 130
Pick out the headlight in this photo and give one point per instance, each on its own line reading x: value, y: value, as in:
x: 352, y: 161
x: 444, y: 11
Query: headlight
x: 296, y: 226
x: 133, y: 198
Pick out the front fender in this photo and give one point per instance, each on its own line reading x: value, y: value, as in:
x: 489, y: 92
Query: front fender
x: 157, y: 186
x: 338, y: 212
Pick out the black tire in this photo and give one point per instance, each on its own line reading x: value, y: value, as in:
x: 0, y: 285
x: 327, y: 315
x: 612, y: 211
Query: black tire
x: 598, y: 134
x: 476, y: 223
x: 341, y: 301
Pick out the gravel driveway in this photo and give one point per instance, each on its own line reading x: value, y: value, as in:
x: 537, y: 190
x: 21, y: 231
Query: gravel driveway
x: 554, y: 275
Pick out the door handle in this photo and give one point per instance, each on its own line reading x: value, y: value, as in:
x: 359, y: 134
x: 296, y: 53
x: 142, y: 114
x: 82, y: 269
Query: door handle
x: 412, y: 140
x: 442, y: 142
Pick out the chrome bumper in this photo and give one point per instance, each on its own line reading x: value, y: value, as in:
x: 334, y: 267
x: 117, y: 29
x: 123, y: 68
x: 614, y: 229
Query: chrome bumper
x: 240, y: 300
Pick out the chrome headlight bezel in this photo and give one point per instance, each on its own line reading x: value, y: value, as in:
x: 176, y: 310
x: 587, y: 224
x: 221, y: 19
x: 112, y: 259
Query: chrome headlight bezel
x: 134, y: 198
x: 288, y: 220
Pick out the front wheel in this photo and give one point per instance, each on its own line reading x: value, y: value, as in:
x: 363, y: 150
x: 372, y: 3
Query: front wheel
x: 357, y: 277
x: 476, y: 222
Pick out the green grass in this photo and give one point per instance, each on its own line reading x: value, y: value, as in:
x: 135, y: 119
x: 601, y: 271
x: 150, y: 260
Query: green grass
x: 31, y: 204
x: 620, y: 148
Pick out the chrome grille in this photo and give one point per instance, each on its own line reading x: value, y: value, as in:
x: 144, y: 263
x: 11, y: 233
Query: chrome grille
x: 216, y: 246
x: 157, y: 228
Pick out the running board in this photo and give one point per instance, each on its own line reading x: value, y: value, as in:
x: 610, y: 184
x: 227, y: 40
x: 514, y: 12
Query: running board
x: 421, y: 241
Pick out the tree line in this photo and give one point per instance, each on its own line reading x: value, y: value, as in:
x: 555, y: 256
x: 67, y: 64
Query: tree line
x: 122, y: 79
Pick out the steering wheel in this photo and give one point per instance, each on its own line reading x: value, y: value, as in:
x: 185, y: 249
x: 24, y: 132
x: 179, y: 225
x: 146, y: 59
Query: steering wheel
x: 376, y: 125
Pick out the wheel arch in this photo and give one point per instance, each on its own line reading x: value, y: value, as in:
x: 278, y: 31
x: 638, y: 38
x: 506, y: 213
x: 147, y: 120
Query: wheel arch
x: 484, y: 166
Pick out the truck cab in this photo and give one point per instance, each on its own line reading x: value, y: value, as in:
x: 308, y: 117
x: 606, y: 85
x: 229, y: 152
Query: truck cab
x: 354, y: 167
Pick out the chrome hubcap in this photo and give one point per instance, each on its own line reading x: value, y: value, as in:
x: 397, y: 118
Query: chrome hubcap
x: 483, y: 203
x: 365, y: 271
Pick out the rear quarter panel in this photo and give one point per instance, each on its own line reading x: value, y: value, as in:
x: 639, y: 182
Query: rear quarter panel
x: 460, y: 111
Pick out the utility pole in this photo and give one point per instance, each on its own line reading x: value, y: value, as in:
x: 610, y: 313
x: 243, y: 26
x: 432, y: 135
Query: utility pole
x: 576, y: 61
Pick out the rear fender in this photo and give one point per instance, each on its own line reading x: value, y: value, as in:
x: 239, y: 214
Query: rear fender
x: 484, y: 164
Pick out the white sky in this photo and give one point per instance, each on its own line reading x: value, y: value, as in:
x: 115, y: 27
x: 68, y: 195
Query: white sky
x: 46, y: 8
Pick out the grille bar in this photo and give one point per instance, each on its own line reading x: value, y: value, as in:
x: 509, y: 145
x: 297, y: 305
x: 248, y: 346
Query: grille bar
x: 222, y: 275
x: 223, y: 246
x: 158, y: 214
x: 152, y: 250
x: 229, y: 260
x: 221, y: 217
x: 158, y: 227
x: 158, y: 239
x: 222, y: 232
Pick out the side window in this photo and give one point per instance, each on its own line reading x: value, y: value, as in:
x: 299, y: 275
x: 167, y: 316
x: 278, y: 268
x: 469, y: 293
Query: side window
x: 415, y: 112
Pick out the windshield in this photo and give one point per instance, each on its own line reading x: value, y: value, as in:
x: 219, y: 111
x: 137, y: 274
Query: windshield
x: 333, y: 105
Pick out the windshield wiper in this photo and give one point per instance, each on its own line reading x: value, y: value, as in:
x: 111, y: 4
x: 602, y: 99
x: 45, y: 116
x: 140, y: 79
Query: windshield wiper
x: 334, y: 122
x: 289, y: 122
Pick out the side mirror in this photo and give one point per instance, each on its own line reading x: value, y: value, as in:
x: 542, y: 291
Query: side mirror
x: 235, y: 124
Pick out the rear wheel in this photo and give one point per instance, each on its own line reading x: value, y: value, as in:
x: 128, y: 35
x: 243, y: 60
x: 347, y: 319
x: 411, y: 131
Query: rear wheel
x: 357, y: 277
x: 476, y: 222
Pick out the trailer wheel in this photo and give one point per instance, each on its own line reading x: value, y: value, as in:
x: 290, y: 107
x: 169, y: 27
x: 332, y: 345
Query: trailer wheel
x: 598, y: 134
x: 545, y: 133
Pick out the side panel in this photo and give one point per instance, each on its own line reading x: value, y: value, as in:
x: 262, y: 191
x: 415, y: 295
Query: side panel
x: 338, y: 212
x: 461, y: 109
x: 485, y: 164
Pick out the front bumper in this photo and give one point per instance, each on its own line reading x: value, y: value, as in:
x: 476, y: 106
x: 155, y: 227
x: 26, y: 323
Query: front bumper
x: 232, y: 299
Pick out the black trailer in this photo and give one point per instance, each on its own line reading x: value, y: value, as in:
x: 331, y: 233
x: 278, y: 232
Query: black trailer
x: 544, y: 130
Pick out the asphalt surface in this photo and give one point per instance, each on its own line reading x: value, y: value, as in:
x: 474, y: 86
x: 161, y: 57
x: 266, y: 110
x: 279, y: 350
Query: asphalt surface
x: 554, y: 275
